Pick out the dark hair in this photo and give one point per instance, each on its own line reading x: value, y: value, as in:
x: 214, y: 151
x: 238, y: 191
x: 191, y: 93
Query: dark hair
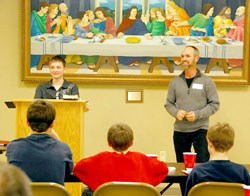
x: 43, y: 4
x: 120, y: 136
x: 40, y: 115
x: 223, y: 10
x: 81, y: 14
x: 101, y: 9
x: 206, y: 8
x: 58, y: 59
x: 129, y: 12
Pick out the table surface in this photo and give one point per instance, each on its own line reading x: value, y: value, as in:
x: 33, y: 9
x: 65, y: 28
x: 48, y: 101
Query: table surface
x: 119, y: 47
x: 174, y: 176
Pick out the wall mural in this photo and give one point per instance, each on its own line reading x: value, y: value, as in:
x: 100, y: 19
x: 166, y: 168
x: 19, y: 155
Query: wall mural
x: 135, y: 41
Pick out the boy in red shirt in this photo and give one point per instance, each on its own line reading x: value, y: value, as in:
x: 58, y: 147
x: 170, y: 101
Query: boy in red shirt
x: 120, y: 165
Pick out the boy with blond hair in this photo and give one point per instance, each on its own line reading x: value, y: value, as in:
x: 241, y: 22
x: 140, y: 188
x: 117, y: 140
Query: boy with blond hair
x: 220, y: 138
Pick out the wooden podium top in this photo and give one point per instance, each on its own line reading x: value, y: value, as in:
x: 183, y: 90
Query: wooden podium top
x: 58, y: 101
x: 50, y: 100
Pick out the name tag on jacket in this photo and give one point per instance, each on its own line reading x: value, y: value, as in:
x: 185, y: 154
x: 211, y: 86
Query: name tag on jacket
x: 197, y: 86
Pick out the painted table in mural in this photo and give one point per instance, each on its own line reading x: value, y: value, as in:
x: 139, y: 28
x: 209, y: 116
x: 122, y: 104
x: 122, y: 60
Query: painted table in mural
x: 159, y: 47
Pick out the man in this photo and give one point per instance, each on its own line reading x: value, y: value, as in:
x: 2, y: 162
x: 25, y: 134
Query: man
x: 192, y: 98
x: 132, y: 25
x: 201, y: 22
x: 38, y: 19
x: 64, y: 18
x: 13, y: 181
x: 237, y: 33
x: 58, y: 86
x: 220, y: 139
x: 120, y: 164
x: 38, y: 26
x: 105, y: 23
x: 51, y: 21
x: 222, y: 22
x: 41, y: 155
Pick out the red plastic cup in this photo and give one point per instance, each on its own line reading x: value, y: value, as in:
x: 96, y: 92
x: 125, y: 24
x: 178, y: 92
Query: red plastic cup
x: 189, y: 160
x: 247, y: 190
x: 152, y: 155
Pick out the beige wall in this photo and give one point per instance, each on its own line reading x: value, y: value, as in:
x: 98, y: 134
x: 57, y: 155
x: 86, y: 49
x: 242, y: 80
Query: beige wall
x: 152, y: 125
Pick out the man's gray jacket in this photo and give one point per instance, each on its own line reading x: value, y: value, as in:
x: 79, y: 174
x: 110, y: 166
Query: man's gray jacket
x: 201, y: 97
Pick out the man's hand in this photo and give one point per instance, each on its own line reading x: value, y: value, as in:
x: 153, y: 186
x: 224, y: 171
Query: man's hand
x: 181, y: 114
x: 89, y: 35
x: 148, y: 36
x: 87, y: 106
x: 120, y: 34
x: 190, y: 116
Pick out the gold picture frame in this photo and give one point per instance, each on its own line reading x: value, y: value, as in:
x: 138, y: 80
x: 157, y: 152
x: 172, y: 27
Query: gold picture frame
x: 154, y: 79
x: 134, y: 96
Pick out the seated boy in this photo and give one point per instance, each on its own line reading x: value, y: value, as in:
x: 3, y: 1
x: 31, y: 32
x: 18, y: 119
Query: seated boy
x: 121, y: 164
x: 42, y: 157
x: 219, y: 169
x: 13, y: 181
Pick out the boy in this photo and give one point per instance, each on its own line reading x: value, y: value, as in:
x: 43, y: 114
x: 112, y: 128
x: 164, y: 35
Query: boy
x: 13, y: 181
x: 58, y: 86
x: 121, y: 164
x: 219, y: 169
x: 42, y: 157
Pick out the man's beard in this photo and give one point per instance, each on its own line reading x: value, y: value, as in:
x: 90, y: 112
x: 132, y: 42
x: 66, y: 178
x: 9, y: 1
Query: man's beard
x: 228, y: 16
x: 65, y: 12
x: 237, y: 18
x: 187, y: 66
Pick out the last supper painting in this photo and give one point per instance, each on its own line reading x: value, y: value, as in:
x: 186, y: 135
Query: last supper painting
x: 135, y: 41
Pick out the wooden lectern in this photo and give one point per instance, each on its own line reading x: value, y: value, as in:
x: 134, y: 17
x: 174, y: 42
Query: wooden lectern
x: 68, y: 125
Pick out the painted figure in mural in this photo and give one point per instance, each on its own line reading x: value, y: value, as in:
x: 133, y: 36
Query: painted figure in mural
x: 222, y: 22
x: 237, y: 29
x: 176, y: 14
x: 201, y: 22
x: 156, y: 26
x: 50, y: 23
x: 104, y: 23
x: 38, y: 27
x: 152, y: 13
x: 38, y: 19
x: 132, y: 25
x: 91, y: 15
x: 237, y: 33
x: 64, y: 19
x: 86, y: 29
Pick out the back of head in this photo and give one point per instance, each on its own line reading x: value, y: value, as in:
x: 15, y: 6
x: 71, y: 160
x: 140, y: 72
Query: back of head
x: 81, y: 14
x: 43, y: 4
x: 13, y: 181
x: 221, y: 136
x: 206, y: 8
x: 120, y: 137
x: 40, y: 115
